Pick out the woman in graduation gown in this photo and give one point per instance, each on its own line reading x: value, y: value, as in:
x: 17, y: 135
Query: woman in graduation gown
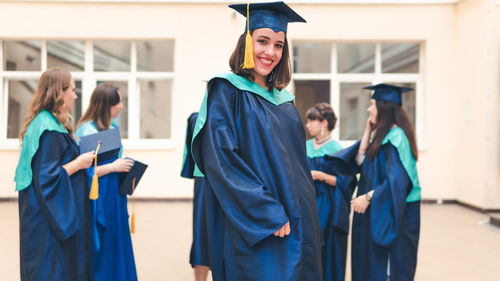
x: 333, y: 190
x: 198, y: 257
x: 112, y: 244
x: 54, y: 209
x: 249, y: 142
x: 386, y: 223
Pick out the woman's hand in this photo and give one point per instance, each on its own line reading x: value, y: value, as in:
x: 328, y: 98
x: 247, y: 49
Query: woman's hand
x: 317, y: 175
x: 85, y: 160
x: 285, y: 230
x: 321, y: 176
x: 122, y: 165
x: 360, y: 204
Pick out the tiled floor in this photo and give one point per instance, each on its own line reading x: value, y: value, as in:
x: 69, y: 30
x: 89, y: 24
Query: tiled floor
x: 456, y: 243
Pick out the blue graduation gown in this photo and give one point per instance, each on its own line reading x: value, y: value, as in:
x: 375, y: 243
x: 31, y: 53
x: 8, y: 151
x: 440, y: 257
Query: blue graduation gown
x: 253, y: 155
x: 54, y: 215
x: 112, y: 244
x: 333, y: 207
x: 389, y: 229
x: 200, y: 244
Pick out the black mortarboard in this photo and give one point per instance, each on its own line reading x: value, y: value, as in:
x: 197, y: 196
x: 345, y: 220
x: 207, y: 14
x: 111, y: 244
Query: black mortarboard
x: 110, y: 140
x: 274, y: 15
x: 387, y: 92
x: 130, y: 179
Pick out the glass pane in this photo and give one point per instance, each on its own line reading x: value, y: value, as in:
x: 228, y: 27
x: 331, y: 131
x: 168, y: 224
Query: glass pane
x: 22, y: 55
x: 156, y: 112
x: 310, y: 92
x: 356, y: 57
x: 21, y: 93
x: 69, y: 55
x: 122, y: 120
x: 311, y: 57
x: 409, y: 100
x: 400, y: 58
x: 112, y: 56
x: 353, y: 115
x: 155, y: 55
x: 76, y: 112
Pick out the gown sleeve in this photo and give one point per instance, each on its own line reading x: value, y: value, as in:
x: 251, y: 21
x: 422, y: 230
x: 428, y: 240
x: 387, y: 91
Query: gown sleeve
x: 53, y: 186
x: 389, y: 199
x: 247, y: 203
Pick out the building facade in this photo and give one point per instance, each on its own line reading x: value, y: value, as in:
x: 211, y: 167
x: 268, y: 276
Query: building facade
x: 161, y: 53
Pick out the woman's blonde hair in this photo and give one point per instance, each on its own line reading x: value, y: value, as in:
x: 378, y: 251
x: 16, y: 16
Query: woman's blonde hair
x: 48, y: 95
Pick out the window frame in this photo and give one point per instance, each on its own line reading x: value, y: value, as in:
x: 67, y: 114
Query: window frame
x: 336, y: 78
x: 89, y: 79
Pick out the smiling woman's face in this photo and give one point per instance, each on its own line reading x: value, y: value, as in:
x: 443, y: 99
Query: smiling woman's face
x: 267, y: 50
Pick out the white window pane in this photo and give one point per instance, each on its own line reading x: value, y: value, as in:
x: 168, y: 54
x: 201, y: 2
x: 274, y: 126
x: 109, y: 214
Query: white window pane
x: 155, y: 55
x: 122, y: 120
x: 356, y: 57
x: 22, y: 55
x: 311, y: 57
x: 400, y: 58
x: 310, y: 92
x: 156, y: 98
x: 69, y: 55
x: 112, y: 56
x: 353, y: 115
x: 76, y: 112
x: 21, y: 93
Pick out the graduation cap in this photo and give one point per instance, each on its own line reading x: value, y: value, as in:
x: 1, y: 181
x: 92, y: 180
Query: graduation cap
x: 274, y: 15
x: 110, y: 143
x: 387, y: 92
x: 106, y: 145
x: 130, y: 179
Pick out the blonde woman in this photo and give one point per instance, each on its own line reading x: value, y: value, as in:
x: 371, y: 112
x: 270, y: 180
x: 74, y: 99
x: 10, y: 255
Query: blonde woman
x: 54, y: 209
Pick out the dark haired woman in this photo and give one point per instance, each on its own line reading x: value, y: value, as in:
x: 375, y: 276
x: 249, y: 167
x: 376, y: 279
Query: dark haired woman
x: 249, y: 142
x: 333, y: 190
x: 54, y: 210
x: 386, y: 224
x: 113, y: 254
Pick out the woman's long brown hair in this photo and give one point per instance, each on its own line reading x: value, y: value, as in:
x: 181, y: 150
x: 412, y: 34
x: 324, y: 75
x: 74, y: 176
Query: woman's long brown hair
x: 279, y: 77
x: 99, y: 111
x: 388, y: 115
x: 49, y: 96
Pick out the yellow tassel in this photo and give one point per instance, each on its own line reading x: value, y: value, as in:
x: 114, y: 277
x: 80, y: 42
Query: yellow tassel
x: 94, y: 188
x: 132, y: 224
x: 132, y: 220
x: 248, y: 62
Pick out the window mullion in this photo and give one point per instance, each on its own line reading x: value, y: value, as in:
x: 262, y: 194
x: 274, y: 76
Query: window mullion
x: 43, y: 54
x: 134, y: 97
x: 3, y: 103
x: 335, y: 89
x: 378, y: 63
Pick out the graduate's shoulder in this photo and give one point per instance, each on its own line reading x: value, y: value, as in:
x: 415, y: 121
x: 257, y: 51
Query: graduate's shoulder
x: 396, y: 137
x: 86, y: 128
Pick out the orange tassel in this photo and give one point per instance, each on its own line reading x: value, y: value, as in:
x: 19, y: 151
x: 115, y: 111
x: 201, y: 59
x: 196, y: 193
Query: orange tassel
x: 248, y: 62
x: 132, y: 219
x: 94, y: 188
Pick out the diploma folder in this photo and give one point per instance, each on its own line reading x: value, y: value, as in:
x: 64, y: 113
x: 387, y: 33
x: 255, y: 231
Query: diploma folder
x: 127, y: 179
x: 111, y: 143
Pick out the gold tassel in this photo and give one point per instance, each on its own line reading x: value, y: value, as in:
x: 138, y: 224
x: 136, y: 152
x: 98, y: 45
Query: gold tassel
x: 248, y: 62
x: 132, y: 220
x: 94, y: 188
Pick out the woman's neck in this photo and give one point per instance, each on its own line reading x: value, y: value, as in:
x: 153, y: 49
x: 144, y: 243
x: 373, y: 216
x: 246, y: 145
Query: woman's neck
x: 261, y: 81
x: 319, y: 141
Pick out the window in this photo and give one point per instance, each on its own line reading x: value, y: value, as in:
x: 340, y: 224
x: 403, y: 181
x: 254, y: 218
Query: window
x: 336, y: 72
x: 142, y: 70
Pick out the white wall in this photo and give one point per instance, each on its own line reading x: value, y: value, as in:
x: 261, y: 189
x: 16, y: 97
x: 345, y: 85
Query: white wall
x: 456, y: 68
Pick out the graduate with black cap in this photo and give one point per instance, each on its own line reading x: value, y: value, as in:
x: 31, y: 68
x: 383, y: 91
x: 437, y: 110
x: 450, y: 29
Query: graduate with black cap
x: 386, y: 224
x: 249, y: 143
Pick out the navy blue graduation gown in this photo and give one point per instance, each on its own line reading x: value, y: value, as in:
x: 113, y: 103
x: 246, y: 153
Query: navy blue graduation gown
x: 200, y: 245
x: 333, y: 207
x: 55, y: 216
x: 389, y: 229
x: 253, y: 155
x: 112, y: 244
